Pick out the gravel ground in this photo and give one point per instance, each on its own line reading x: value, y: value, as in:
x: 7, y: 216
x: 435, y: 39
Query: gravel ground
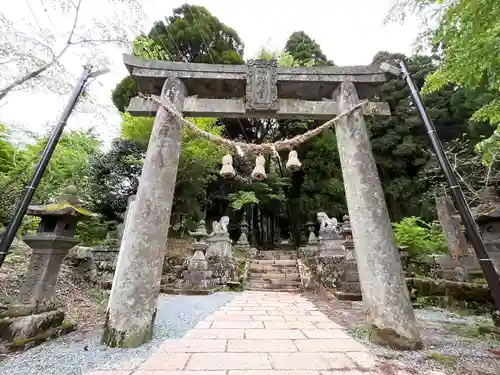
x: 451, y: 340
x: 78, y: 354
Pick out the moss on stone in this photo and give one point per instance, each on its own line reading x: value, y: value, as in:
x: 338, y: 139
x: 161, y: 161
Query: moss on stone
x: 59, y: 206
x: 446, y: 360
x: 451, y: 293
x: 390, y: 338
x: 126, y: 339
x: 51, y: 333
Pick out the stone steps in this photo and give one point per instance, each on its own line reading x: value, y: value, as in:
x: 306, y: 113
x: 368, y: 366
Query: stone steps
x: 294, y: 282
x: 274, y: 288
x: 273, y: 262
x: 276, y: 276
x: 278, y: 255
x: 276, y: 271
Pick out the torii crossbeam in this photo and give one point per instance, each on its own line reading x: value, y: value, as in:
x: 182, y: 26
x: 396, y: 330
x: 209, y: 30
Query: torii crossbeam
x: 259, y: 89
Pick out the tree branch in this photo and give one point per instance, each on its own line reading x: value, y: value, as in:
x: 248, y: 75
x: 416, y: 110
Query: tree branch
x: 35, y: 73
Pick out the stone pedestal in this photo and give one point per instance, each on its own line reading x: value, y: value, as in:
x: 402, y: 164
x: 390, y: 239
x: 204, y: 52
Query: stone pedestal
x: 197, y: 276
x: 39, y: 287
x: 348, y: 287
x: 220, y: 245
x: 389, y: 311
x: 330, y: 244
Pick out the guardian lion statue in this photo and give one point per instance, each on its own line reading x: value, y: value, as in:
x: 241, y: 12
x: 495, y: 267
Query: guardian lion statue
x: 327, y: 224
x: 220, y: 227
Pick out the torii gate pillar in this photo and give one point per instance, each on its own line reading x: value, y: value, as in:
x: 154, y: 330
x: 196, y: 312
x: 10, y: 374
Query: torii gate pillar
x: 389, y: 311
x: 259, y: 90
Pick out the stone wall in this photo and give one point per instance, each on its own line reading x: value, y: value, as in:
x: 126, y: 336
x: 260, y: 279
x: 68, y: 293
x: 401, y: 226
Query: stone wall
x: 424, y: 280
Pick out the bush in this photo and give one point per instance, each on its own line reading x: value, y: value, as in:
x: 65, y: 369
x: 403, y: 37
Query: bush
x: 421, y: 238
x: 93, y: 231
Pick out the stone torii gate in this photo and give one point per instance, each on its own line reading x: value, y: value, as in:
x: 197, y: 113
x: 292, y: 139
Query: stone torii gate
x: 259, y: 89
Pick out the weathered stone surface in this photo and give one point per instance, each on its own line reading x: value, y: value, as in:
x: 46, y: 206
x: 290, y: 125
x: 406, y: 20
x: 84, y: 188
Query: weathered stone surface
x: 261, y: 86
x: 221, y: 81
x: 451, y: 227
x: 81, y: 260
x: 132, y: 304
x: 385, y: 294
x: 235, y: 108
x: 15, y: 329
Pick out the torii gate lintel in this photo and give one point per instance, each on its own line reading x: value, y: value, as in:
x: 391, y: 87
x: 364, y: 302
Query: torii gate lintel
x: 259, y: 89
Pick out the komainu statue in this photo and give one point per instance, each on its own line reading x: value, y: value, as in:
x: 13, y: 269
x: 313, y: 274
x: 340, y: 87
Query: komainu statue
x: 327, y: 224
x: 220, y: 227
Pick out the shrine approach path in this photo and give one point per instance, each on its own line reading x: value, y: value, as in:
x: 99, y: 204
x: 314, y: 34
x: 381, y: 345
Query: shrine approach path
x: 258, y: 333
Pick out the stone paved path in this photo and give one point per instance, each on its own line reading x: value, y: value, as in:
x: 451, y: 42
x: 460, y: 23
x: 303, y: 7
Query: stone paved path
x: 259, y: 333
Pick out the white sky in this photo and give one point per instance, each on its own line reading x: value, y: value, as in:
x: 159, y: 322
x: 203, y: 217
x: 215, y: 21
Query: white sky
x: 349, y: 32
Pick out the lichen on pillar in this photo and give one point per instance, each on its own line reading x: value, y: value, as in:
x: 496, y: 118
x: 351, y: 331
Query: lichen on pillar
x: 132, y: 306
x: 389, y: 311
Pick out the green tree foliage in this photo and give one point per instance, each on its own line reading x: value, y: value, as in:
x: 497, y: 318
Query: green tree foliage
x: 193, y: 34
x: 7, y: 153
x: 466, y: 32
x: 304, y: 49
x: 69, y: 165
x: 124, y: 92
x: 421, y: 238
x: 115, y: 174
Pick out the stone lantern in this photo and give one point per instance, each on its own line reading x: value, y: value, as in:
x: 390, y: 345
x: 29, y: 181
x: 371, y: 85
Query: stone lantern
x: 33, y: 316
x: 243, y: 239
x: 487, y: 216
x: 348, y: 242
x: 198, y: 276
x: 54, y: 238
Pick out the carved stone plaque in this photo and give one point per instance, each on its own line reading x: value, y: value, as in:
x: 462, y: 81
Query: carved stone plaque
x: 262, y: 89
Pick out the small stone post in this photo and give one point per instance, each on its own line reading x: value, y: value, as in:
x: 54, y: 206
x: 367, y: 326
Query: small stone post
x: 389, y: 311
x: 451, y: 228
x: 132, y: 304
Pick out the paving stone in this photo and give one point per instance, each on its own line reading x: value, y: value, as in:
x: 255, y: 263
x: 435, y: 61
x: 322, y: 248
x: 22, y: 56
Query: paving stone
x: 328, y: 325
x: 146, y: 372
x: 310, y: 361
x: 111, y: 372
x: 274, y: 372
x: 229, y: 361
x: 217, y: 324
x: 279, y: 334
x: 190, y: 345
x: 329, y: 345
x: 290, y: 325
x: 325, y: 334
x: 215, y: 334
x: 163, y: 361
x: 307, y: 318
x: 268, y: 318
x: 364, y: 360
x: 248, y: 312
x: 261, y: 346
x: 203, y: 325
x: 229, y: 318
